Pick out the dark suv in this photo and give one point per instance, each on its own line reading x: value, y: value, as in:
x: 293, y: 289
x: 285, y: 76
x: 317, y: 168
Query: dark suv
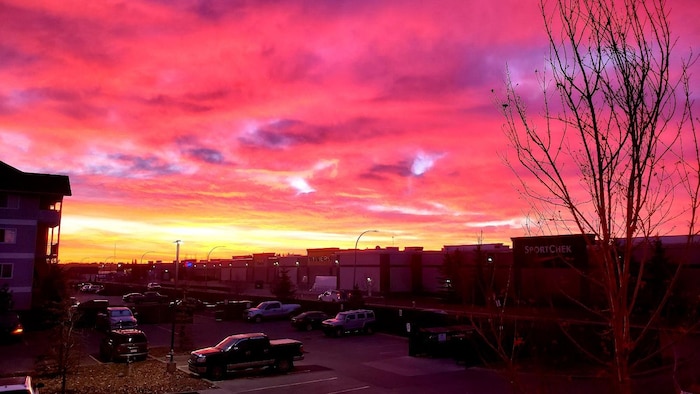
x: 151, y: 297
x: 309, y: 320
x: 125, y: 345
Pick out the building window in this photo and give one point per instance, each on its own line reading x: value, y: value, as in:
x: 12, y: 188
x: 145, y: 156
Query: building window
x: 6, y: 271
x: 8, y: 235
x: 9, y: 201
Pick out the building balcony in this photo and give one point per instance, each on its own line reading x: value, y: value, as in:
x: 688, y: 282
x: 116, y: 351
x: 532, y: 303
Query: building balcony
x: 49, y: 218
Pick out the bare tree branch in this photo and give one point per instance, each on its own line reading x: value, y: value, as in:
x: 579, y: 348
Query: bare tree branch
x: 613, y: 154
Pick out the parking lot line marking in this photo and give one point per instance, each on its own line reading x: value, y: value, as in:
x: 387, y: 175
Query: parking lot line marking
x: 289, y: 385
x: 350, y: 390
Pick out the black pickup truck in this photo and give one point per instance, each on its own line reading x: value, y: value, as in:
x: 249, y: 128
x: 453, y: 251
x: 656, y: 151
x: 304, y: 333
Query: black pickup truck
x: 245, y: 351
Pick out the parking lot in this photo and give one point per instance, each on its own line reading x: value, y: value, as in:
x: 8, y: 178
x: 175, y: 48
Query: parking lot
x: 377, y: 363
x: 367, y: 363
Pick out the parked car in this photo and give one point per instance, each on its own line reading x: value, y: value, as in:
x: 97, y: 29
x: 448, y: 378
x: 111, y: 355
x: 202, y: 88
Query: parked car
x: 271, y: 310
x: 309, y: 320
x: 124, y: 345
x: 11, y: 329
x: 151, y: 297
x: 193, y: 304
x: 92, y: 288
x: 359, y: 320
x: 19, y: 385
x: 244, y: 351
x: 333, y: 296
x: 131, y: 297
x: 153, y: 286
x: 116, y: 317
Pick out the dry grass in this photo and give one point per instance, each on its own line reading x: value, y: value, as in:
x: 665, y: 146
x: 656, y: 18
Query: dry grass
x: 149, y: 376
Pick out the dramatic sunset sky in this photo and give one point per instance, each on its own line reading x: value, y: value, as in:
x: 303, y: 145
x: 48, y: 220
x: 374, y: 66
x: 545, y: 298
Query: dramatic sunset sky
x: 271, y: 126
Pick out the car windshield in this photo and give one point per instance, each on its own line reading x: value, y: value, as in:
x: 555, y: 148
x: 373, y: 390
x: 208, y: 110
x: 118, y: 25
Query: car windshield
x: 340, y: 316
x: 121, y: 313
x: 226, y: 343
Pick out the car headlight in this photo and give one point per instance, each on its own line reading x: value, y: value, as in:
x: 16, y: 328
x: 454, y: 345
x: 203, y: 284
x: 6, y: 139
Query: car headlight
x: 18, y: 330
x: 201, y: 359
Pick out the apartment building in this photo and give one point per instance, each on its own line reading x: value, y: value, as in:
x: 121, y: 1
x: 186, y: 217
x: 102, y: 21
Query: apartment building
x: 30, y: 219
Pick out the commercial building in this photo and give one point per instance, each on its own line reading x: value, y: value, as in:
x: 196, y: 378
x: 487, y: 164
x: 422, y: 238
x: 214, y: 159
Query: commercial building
x: 542, y: 270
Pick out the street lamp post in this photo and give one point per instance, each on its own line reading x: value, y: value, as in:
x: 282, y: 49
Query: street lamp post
x: 150, y: 271
x: 171, y: 364
x: 150, y: 251
x: 206, y: 267
x: 354, y: 270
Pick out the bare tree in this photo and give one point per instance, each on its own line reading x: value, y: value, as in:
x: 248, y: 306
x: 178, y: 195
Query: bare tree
x: 57, y: 312
x: 67, y: 347
x: 609, y: 155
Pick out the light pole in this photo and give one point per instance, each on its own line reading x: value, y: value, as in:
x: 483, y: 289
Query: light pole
x: 177, y: 264
x: 150, y: 270
x: 150, y: 251
x: 171, y: 364
x: 354, y: 270
x: 206, y: 268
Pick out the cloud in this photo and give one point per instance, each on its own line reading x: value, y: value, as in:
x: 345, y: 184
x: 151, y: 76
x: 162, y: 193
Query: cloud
x: 423, y: 162
x: 406, y: 210
x: 301, y: 185
x: 129, y: 166
x: 16, y: 140
x: 274, y: 135
x: 516, y: 223
x: 216, y: 114
x: 211, y: 156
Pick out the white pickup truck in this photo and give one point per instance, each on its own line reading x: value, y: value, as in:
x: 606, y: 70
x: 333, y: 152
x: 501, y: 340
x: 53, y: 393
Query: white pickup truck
x: 268, y: 310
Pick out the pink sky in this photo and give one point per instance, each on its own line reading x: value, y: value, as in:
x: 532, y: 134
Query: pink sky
x: 271, y: 126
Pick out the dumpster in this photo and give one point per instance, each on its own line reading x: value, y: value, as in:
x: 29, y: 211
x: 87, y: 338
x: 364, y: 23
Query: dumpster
x: 463, y: 345
x: 440, y: 342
